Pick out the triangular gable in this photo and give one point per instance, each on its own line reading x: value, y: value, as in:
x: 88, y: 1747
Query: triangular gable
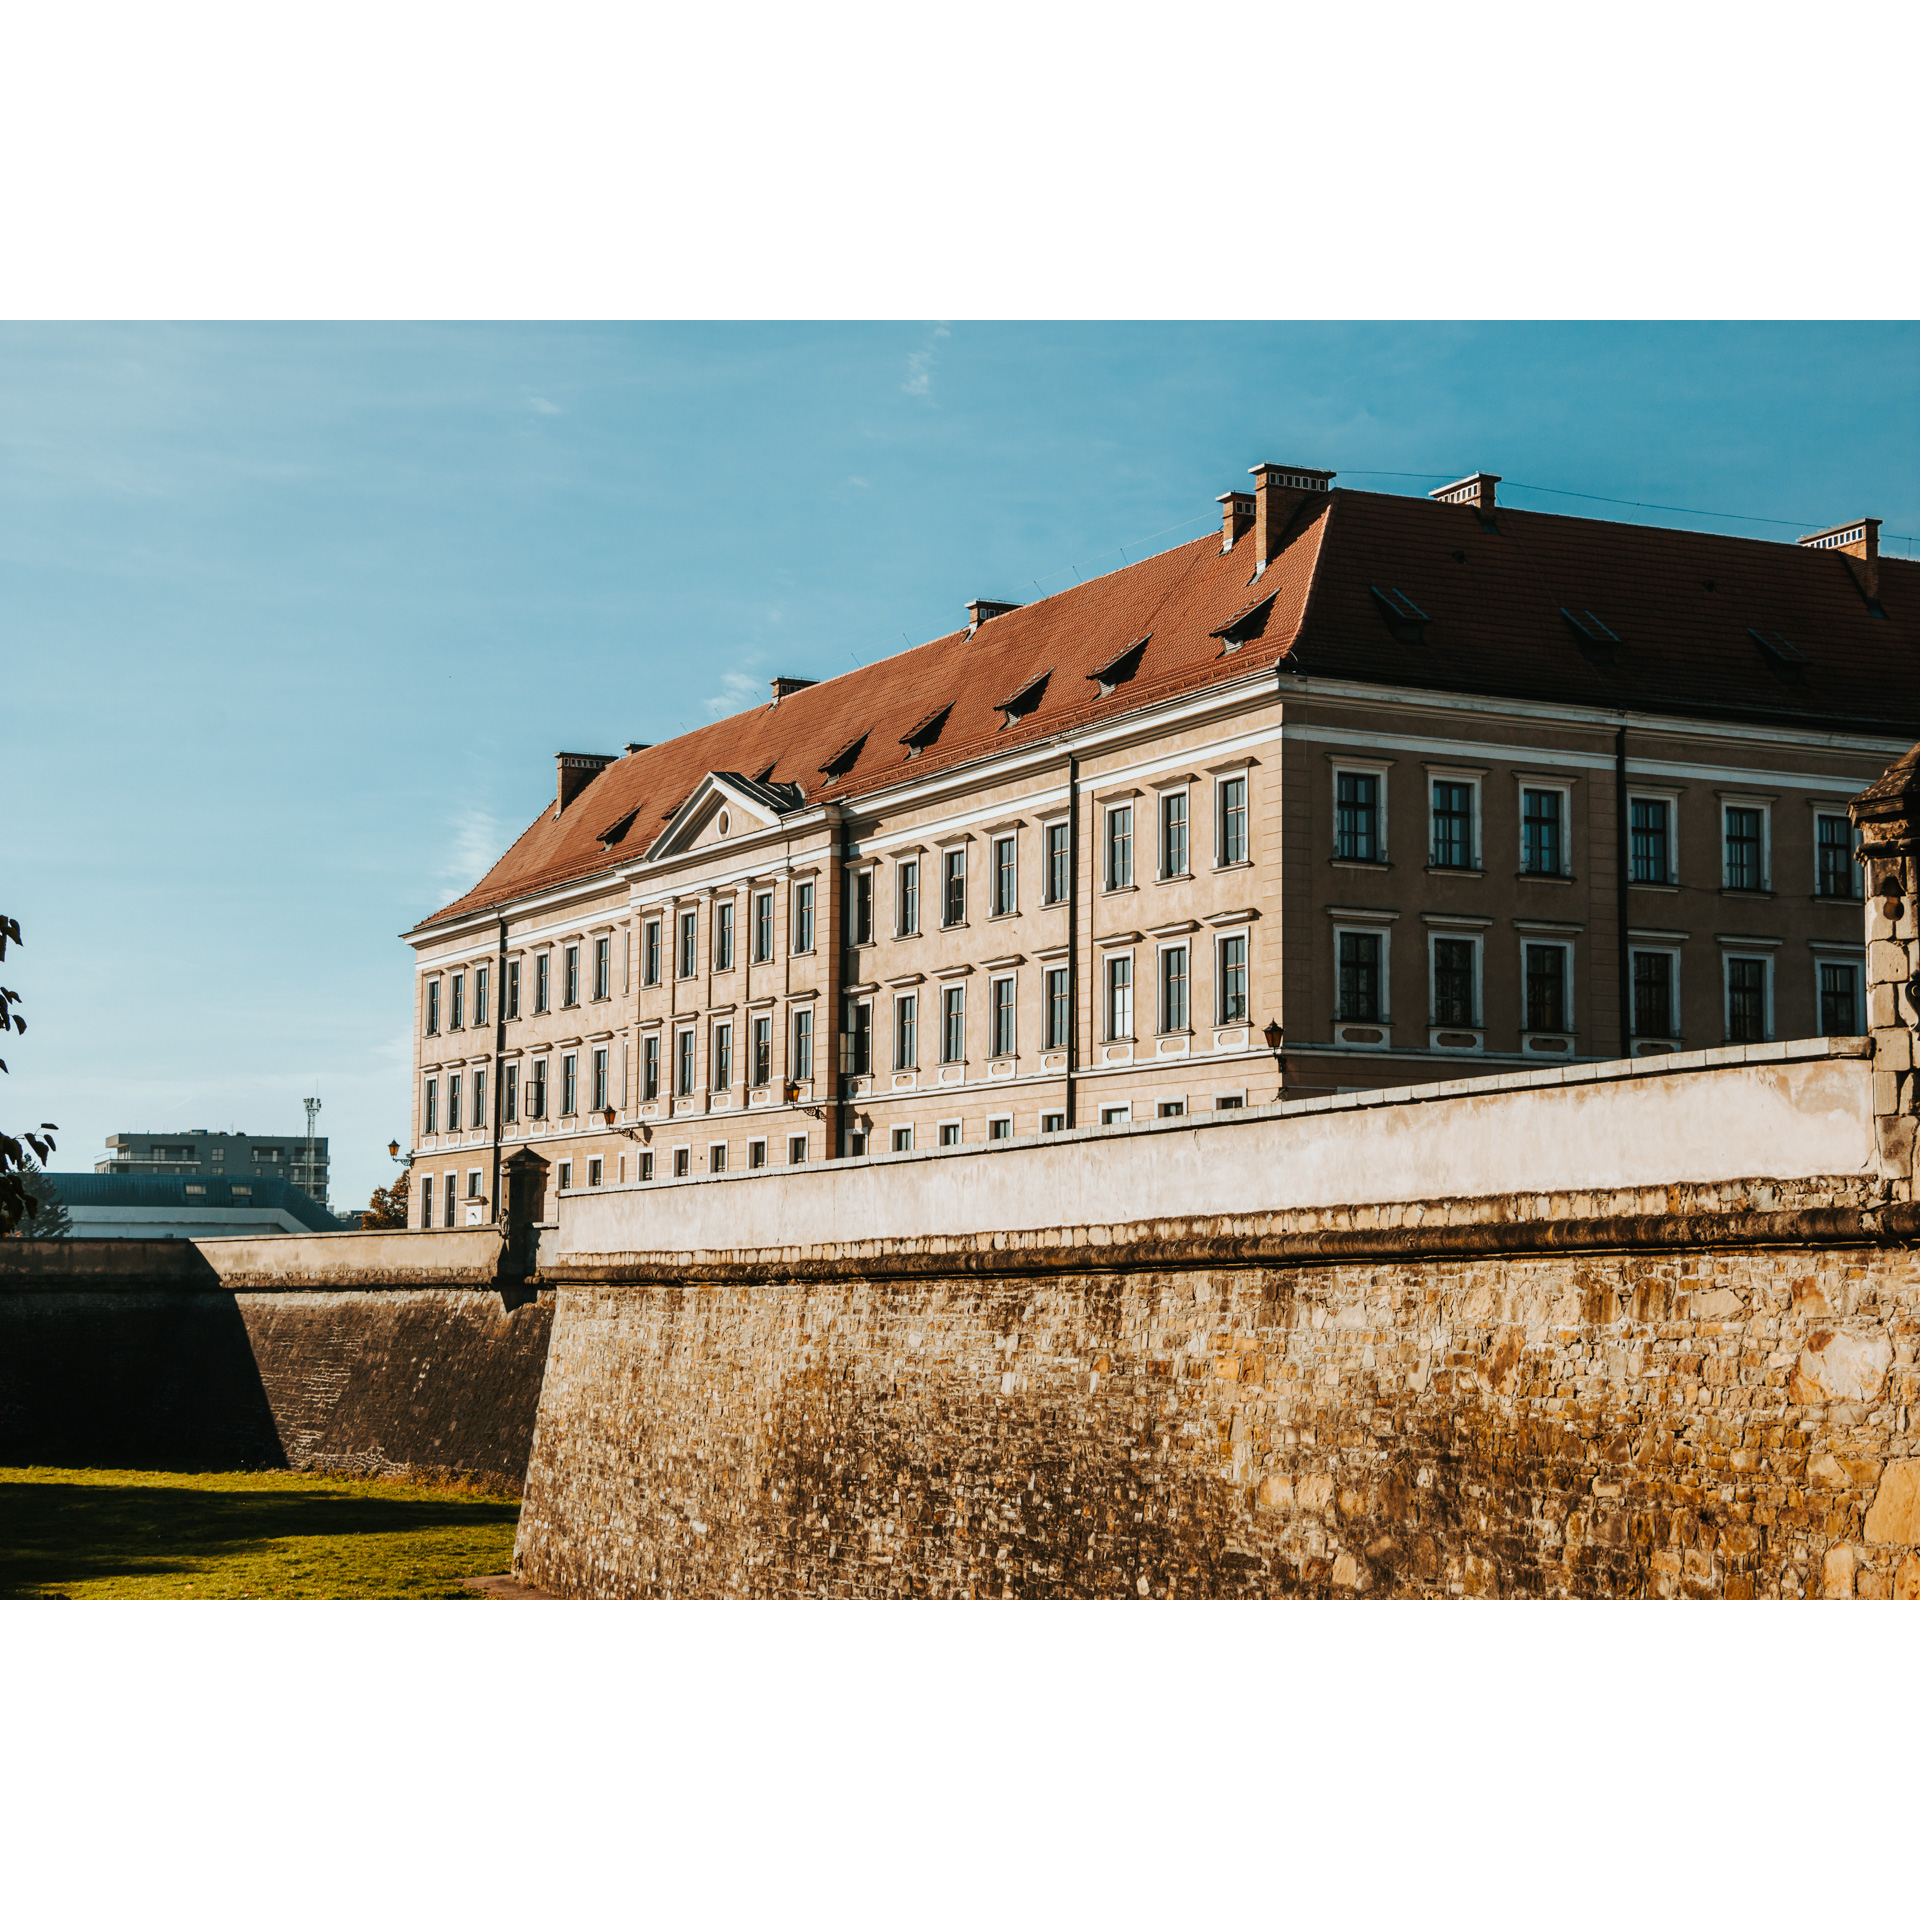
x: 748, y: 805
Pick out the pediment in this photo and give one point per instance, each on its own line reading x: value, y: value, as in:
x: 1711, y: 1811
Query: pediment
x: 723, y: 808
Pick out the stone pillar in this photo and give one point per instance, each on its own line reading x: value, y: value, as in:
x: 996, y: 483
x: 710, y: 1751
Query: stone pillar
x: 1888, y: 816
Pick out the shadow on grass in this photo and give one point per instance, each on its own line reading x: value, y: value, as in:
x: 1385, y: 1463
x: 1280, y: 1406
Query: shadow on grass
x: 57, y: 1534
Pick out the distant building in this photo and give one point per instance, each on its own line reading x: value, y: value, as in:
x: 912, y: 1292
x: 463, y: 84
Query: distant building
x: 129, y: 1203
x: 229, y: 1156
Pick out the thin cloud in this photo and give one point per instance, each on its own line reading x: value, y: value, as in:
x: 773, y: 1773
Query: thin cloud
x: 919, y: 380
x: 535, y: 404
x: 473, y: 845
x: 741, y: 690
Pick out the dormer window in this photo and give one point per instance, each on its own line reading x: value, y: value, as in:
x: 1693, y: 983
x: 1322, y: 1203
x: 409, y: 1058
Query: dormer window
x: 1017, y: 706
x: 841, y: 760
x: 1780, y: 651
x: 613, y: 835
x: 1248, y: 624
x: 1591, y: 628
x: 925, y: 733
x: 1407, y: 620
x: 1120, y: 669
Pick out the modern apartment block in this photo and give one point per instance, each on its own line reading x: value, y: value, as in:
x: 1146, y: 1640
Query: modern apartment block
x: 1416, y: 787
x: 225, y: 1156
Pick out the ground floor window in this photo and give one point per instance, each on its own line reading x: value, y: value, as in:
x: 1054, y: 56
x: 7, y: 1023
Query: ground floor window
x: 903, y: 1139
x: 1746, y: 1000
x: 1116, y: 1116
x: 1653, y: 996
x: 797, y: 1150
x: 682, y: 1162
x: 950, y: 1133
x: 1053, y: 1123
x: 1000, y: 1129
x: 1840, y: 998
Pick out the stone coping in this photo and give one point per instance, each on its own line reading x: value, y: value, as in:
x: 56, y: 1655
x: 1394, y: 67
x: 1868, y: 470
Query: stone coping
x: 283, y: 1262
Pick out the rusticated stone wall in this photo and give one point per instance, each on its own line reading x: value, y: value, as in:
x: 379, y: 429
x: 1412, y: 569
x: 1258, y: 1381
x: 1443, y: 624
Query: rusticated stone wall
x: 1598, y: 1399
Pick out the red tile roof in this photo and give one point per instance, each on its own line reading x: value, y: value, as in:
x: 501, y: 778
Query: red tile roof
x: 1681, y: 603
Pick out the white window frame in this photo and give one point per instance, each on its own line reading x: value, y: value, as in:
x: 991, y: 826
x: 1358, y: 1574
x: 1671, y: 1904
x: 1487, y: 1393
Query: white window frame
x: 794, y: 1017
x: 1117, y: 1113
x: 1532, y: 783
x: 1752, y: 804
x: 1384, y: 1018
x: 1676, y: 952
x: 959, y: 1133
x: 1048, y: 898
x: 1175, y: 1109
x: 995, y: 981
x: 1108, y: 963
x: 1479, y: 943
x: 1047, y: 978
x: 681, y: 1035
x: 717, y: 1051
x: 1474, y: 781
x: 1671, y: 795
x: 1765, y: 955
x: 1569, y: 946
x: 600, y: 1072
x: 895, y: 1144
x: 1220, y: 1020
x: 1053, y: 1113
x: 656, y: 925
x: 955, y: 853
x: 763, y: 897
x: 1383, y: 771
x: 1181, y: 789
x: 759, y: 1153
x: 1220, y: 780
x: 596, y: 1170
x: 999, y: 1120
x: 797, y: 1140
x: 995, y: 911
x: 1161, y: 950
x: 1834, y: 956
x: 1108, y: 809
x: 906, y: 1060
x: 900, y: 869
x: 1826, y: 810
x: 809, y: 921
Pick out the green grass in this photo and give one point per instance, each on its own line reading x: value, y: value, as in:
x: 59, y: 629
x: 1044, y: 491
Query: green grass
x: 106, y: 1534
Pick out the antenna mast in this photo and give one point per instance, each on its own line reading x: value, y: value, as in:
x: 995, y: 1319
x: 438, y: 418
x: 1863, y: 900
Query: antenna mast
x: 313, y: 1106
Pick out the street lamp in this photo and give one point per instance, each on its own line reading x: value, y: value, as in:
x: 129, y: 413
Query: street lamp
x: 1275, y: 1036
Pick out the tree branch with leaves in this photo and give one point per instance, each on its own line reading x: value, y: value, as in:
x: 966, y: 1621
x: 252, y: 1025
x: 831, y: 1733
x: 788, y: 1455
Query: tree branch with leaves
x: 18, y: 1200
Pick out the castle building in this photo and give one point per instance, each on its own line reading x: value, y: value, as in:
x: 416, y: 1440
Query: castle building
x: 1414, y: 788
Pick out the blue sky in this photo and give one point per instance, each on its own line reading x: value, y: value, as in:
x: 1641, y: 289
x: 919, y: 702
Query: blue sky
x: 296, y: 617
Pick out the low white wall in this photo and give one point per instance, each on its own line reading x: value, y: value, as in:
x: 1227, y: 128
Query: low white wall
x: 1790, y: 1110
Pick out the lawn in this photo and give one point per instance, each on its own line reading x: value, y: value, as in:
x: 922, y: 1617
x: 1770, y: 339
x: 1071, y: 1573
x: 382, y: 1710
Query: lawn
x: 109, y: 1534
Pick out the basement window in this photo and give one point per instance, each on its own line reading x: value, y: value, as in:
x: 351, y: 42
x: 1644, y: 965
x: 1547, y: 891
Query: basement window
x: 1590, y: 627
x: 1121, y: 668
x: 841, y: 760
x: 925, y: 733
x: 1019, y: 705
x: 1406, y: 619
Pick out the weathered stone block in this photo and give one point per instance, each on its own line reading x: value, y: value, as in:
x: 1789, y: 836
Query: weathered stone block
x: 1894, y: 1517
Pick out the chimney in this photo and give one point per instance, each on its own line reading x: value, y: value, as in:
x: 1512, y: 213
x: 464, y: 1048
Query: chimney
x: 1236, y: 518
x: 576, y: 769
x: 784, y: 684
x: 1859, y: 540
x: 637, y: 746
x: 979, y: 612
x: 1475, y: 491
x: 1278, y: 494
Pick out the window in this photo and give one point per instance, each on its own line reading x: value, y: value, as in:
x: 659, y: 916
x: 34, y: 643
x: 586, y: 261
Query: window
x: 856, y: 1039
x: 456, y: 1008
x: 426, y: 1200
x: 1116, y: 1116
x: 431, y: 1122
x: 1120, y: 997
x: 953, y: 1024
x: 1453, y: 823
x: 903, y: 1139
x: 543, y: 983
x: 480, y: 996
x: 1001, y: 1129
x: 1119, y: 847
x: 856, y: 1143
x: 1058, y: 1006
x: 1232, y: 952
x: 689, y: 936
x: 717, y: 1157
x: 1171, y: 1110
x: 479, y: 1097
x: 803, y: 917
x: 797, y: 1150
x: 453, y: 1103
x: 1545, y: 970
x: 683, y: 1066
x: 603, y: 967
x: 722, y: 1052
x: 1453, y: 995
x: 650, y: 1067
x: 906, y: 891
x: 1053, y: 1123
x: 646, y: 1166
x: 1058, y: 876
x: 1653, y: 996
x: 953, y: 893
x: 595, y: 1168
x: 1746, y: 1000
x: 1746, y: 863
x: 1173, y: 989
x: 1835, y: 871
x: 1356, y: 832
x: 448, y: 1184
x: 570, y: 979
x: 510, y: 1091
x: 860, y: 908
x: 513, y: 989
x: 600, y: 1100
x: 1648, y: 821
x: 569, y: 1083
x: 433, y: 1006
x: 473, y: 1184
x: 537, y: 1092
x: 1359, y: 967
x: 950, y: 1133
x: 1230, y: 1103
x: 1002, y: 1018
x: 756, y: 1153
x: 723, y: 937
x: 650, y: 954
x: 1173, y: 834
x: 762, y: 1064
x: 763, y: 927
x: 682, y: 1162
x: 1839, y: 997
x: 1005, y: 853
x: 906, y: 1016
x: 802, y: 1060
x: 1542, y: 839
x: 1233, y: 820
x: 566, y: 1177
